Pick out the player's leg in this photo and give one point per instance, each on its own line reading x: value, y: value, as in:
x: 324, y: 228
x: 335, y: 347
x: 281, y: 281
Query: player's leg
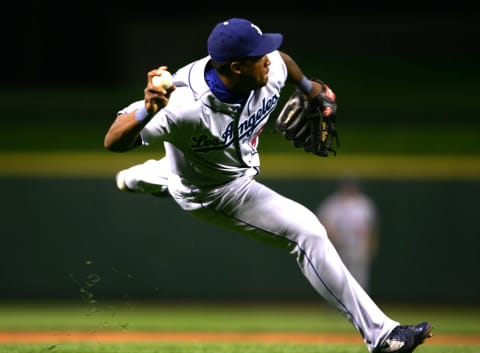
x: 257, y: 211
x: 360, y: 269
x: 149, y: 177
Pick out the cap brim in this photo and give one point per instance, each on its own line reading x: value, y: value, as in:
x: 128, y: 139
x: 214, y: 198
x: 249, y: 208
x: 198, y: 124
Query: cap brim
x: 270, y: 42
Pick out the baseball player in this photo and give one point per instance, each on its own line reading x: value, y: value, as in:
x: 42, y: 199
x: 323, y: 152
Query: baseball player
x: 209, y: 123
x: 351, y: 219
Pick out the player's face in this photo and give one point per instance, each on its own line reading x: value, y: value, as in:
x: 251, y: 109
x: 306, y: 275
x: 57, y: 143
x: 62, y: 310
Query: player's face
x: 255, y: 71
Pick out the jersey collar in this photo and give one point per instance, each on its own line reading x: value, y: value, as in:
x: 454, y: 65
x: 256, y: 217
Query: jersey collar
x: 219, y: 89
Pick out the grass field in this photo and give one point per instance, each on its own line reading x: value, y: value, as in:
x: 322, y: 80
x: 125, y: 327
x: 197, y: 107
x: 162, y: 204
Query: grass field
x: 196, y: 327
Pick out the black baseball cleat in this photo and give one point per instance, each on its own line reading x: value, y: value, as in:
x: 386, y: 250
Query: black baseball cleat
x: 405, y: 338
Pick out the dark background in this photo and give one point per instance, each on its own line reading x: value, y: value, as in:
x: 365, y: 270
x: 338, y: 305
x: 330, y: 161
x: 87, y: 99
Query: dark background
x: 406, y: 77
x: 410, y: 62
x: 98, y: 43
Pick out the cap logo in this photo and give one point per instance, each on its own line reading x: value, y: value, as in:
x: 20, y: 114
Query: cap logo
x: 257, y: 28
x: 226, y: 23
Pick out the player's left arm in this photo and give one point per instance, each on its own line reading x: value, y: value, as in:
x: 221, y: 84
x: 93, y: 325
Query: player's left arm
x: 295, y: 76
x: 313, y: 89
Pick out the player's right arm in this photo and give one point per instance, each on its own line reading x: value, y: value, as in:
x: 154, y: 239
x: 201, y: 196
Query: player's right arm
x: 124, y: 133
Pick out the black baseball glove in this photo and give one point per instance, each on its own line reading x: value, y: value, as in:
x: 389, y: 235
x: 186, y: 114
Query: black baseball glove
x: 310, y: 124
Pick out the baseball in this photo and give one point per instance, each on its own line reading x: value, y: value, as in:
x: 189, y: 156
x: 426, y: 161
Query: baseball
x: 164, y: 79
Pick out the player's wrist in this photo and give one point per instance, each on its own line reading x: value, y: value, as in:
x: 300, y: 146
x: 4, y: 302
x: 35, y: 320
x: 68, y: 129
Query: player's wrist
x: 305, y: 85
x: 142, y: 115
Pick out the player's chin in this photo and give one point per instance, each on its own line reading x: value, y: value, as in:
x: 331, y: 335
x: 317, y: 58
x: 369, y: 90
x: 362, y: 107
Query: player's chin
x: 262, y: 81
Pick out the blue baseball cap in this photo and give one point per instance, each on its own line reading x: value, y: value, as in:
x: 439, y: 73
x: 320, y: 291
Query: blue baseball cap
x: 238, y: 38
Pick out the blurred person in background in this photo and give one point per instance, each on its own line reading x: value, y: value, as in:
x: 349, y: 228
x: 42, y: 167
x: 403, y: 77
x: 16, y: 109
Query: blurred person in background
x: 351, y: 219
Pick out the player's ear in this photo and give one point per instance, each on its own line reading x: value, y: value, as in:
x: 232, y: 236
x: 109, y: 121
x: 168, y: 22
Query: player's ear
x: 235, y: 67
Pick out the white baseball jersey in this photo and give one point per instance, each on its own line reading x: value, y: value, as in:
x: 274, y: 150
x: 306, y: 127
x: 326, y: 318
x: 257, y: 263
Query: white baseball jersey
x: 209, y: 168
x: 208, y: 142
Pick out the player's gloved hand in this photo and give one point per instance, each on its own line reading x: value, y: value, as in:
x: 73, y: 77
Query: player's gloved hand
x: 310, y: 124
x: 326, y: 101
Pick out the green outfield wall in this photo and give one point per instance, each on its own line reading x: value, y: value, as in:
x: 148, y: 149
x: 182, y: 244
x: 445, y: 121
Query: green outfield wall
x: 79, y: 238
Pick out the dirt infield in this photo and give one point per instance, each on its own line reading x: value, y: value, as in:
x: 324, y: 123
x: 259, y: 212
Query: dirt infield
x: 271, y: 337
